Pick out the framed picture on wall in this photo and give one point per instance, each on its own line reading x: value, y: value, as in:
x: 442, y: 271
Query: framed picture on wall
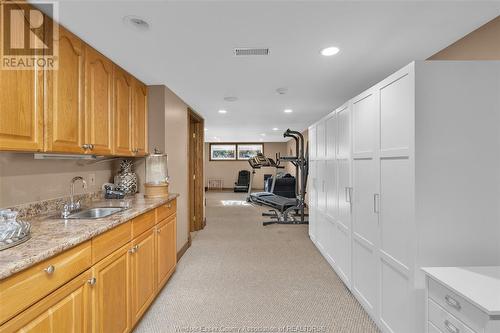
x: 246, y: 151
x: 222, y: 152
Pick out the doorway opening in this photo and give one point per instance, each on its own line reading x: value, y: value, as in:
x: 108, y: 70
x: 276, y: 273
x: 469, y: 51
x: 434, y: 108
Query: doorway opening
x: 196, y: 178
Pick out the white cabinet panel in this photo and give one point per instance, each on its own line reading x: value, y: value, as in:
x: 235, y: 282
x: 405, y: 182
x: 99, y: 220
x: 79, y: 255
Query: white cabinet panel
x: 365, y: 184
x: 329, y: 240
x: 365, y: 275
x: 321, y: 185
x: 344, y: 193
x: 395, y: 111
x: 395, y: 300
x: 320, y: 140
x: 312, y: 199
x: 396, y: 209
x: 343, y: 254
x: 331, y: 175
x: 365, y: 113
x: 343, y: 133
x: 331, y: 140
x: 313, y: 147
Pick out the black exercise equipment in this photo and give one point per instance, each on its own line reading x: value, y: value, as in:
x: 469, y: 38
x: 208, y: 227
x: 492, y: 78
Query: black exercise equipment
x: 243, y: 181
x: 285, y: 185
x: 284, y: 210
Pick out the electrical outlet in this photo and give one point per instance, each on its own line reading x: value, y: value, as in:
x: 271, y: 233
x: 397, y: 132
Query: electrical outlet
x: 92, y: 179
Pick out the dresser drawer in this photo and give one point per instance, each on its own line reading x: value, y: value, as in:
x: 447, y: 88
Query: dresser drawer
x: 457, y: 306
x: 431, y: 328
x: 445, y: 321
x: 27, y: 287
x: 143, y: 223
x: 166, y: 210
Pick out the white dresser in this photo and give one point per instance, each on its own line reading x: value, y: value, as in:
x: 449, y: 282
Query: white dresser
x: 463, y: 299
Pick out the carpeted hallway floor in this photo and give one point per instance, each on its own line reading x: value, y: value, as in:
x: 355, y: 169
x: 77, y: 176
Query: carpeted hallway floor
x: 239, y: 276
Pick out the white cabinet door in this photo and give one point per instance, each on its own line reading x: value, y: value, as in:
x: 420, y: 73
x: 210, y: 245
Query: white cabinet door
x: 321, y: 182
x: 312, y: 142
x: 331, y: 137
x: 365, y: 178
x: 312, y: 199
x: 320, y: 140
x: 344, y: 194
x: 396, y: 200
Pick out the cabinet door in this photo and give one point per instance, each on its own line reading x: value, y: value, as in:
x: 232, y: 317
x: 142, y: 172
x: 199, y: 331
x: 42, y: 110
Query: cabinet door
x: 321, y: 185
x: 143, y: 273
x: 64, y: 92
x: 65, y: 310
x: 21, y: 109
x: 166, y: 250
x: 312, y: 198
x: 312, y: 143
x: 111, y: 294
x: 98, y: 102
x: 140, y: 118
x: 320, y: 140
x: 365, y: 226
x: 123, y: 112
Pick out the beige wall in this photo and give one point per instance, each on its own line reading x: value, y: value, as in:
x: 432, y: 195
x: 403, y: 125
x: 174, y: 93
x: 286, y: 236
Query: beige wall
x: 481, y: 44
x: 228, y: 170
x: 24, y: 179
x: 168, y: 116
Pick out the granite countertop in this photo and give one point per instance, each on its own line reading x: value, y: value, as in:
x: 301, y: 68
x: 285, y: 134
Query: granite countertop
x: 51, y: 235
x: 480, y: 285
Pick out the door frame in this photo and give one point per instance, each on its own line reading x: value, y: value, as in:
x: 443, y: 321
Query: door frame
x: 196, y: 139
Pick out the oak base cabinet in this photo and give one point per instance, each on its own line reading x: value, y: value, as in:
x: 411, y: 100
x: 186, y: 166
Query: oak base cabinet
x: 166, y: 250
x: 68, y: 309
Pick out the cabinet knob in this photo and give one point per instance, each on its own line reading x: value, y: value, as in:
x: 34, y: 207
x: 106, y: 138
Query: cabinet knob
x: 49, y: 270
x: 91, y: 146
x: 134, y: 249
x: 85, y: 146
x: 158, y: 231
x: 92, y: 281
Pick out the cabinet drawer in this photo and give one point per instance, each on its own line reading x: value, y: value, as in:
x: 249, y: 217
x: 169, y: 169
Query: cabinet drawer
x: 110, y: 241
x: 142, y: 223
x: 444, y: 321
x: 432, y: 329
x: 166, y: 210
x: 25, y: 288
x: 457, y: 306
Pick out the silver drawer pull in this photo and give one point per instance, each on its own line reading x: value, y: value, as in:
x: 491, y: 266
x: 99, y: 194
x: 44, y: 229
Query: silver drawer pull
x: 450, y: 327
x: 348, y: 194
x: 452, y: 302
x: 376, y: 198
x: 49, y: 270
x: 92, y: 281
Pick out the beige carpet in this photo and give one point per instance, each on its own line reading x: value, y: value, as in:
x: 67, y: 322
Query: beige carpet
x: 239, y: 276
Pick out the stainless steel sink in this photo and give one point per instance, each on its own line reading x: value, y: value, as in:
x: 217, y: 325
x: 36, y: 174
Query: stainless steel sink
x: 95, y: 213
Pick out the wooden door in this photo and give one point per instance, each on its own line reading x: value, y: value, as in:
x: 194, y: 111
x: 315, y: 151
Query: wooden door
x: 98, y: 102
x: 143, y: 273
x: 68, y: 309
x: 111, y: 294
x: 166, y: 250
x: 64, y: 94
x: 365, y: 233
x: 123, y: 112
x: 196, y: 182
x: 140, y: 118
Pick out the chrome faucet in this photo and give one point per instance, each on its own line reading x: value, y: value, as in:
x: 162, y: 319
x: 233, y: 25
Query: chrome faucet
x: 72, y: 205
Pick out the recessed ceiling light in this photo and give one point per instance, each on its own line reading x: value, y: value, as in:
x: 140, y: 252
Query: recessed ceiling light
x: 329, y: 51
x: 206, y: 129
x: 276, y: 129
x: 136, y: 22
x: 288, y: 111
x: 230, y: 98
x: 263, y: 134
x: 222, y: 111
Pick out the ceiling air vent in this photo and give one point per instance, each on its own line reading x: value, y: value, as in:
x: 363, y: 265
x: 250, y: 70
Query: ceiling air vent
x: 248, y: 51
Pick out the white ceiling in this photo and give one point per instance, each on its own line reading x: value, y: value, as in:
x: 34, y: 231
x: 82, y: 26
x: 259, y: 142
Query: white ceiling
x: 190, y: 45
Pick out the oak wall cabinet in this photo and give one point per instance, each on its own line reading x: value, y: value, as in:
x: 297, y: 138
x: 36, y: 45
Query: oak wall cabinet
x: 98, y: 103
x: 104, y: 285
x: 408, y: 178
x: 88, y: 105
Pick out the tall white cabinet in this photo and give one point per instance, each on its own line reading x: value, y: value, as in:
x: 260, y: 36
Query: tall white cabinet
x: 409, y: 176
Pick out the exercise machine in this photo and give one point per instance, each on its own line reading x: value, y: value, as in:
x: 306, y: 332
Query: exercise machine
x: 284, y: 210
x: 243, y: 181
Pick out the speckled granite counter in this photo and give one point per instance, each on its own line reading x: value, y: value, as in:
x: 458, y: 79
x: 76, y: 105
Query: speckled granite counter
x: 50, y: 236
